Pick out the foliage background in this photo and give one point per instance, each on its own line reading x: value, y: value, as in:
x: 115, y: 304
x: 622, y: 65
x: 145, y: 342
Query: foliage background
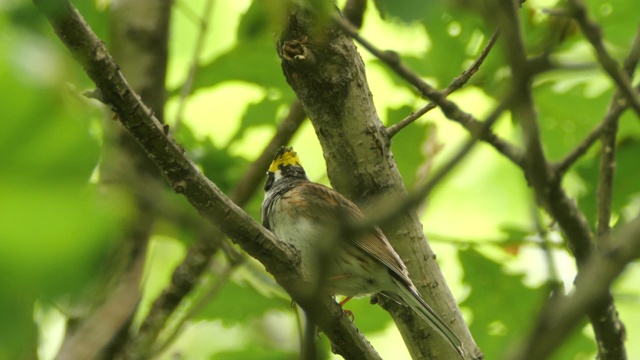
x: 57, y: 229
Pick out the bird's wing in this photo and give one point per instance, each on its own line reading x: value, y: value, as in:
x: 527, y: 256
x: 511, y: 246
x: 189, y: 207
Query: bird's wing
x: 327, y: 204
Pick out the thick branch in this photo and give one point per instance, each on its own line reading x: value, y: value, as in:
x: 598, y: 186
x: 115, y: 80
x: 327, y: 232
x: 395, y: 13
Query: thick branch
x: 188, y: 272
x: 327, y: 74
x: 279, y: 259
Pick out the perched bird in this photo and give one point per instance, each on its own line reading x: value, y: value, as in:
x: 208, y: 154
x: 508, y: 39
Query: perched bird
x: 301, y: 213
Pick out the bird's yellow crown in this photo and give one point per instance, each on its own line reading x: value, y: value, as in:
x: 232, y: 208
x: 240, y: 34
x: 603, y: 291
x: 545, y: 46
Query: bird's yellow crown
x: 285, y: 156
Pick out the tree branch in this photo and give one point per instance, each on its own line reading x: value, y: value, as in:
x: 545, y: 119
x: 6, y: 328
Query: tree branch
x: 195, y: 262
x: 184, y: 177
x: 616, y: 108
x: 548, y: 189
x: 327, y: 74
x: 558, y: 318
x: 450, y: 109
x: 455, y: 84
x: 592, y: 32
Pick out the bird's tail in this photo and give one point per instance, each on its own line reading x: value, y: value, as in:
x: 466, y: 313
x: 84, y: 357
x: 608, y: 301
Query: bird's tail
x: 413, y: 299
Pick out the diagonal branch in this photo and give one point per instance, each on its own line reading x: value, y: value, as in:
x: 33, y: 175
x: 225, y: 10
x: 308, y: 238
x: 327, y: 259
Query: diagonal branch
x: 450, y: 109
x: 186, y: 274
x: 592, y: 32
x: 185, y: 178
x: 455, y: 84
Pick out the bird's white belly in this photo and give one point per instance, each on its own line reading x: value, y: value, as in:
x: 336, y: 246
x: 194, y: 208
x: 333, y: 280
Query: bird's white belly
x: 350, y: 271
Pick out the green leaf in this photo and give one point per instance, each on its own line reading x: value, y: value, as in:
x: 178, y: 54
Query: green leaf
x: 407, y: 10
x: 457, y: 37
x: 260, y: 113
x: 501, y: 304
x: 410, y: 143
x: 254, y: 352
x: 217, y: 164
x: 254, y: 61
x: 367, y: 317
x: 613, y: 17
x: 55, y: 229
x: 566, y: 117
x: 239, y: 302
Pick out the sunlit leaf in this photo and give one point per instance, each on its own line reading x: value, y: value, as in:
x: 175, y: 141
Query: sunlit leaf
x: 240, y: 302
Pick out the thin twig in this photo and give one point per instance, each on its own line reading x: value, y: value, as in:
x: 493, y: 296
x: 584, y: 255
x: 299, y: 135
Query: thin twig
x: 592, y: 32
x: 608, y: 151
x: 390, y: 212
x: 203, y: 22
x: 455, y: 84
x: 577, y: 152
x: 449, y: 108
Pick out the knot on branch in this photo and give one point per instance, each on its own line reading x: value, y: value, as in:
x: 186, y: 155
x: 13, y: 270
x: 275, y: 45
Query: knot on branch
x: 297, y: 51
x: 179, y: 186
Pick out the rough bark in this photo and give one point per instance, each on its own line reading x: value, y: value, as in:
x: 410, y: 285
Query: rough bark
x: 327, y: 74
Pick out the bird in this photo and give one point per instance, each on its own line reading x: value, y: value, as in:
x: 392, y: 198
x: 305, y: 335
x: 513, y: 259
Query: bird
x: 302, y: 213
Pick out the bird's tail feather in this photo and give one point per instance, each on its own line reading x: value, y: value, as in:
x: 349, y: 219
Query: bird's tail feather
x: 413, y: 299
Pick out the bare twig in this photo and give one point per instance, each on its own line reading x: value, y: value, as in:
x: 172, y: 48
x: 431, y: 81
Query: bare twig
x: 211, y: 292
x: 592, y: 32
x: 390, y: 212
x: 449, y: 108
x: 577, y: 152
x: 455, y: 84
x: 185, y: 178
x: 203, y: 21
x: 608, y: 151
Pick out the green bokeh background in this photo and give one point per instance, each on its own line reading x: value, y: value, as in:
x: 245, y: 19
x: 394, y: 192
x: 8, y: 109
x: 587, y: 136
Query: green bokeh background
x: 56, y: 229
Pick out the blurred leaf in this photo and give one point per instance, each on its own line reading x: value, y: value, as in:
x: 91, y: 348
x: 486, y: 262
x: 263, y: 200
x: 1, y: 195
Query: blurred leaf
x: 625, y: 182
x: 501, y: 304
x: 55, y: 229
x: 260, y: 113
x: 217, y: 164
x: 254, y: 352
x: 407, y: 11
x: 409, y: 142
x: 613, y: 17
x: 577, y: 346
x: 367, y: 317
x: 239, y: 302
x: 514, y: 238
x: 567, y: 117
x: 457, y: 37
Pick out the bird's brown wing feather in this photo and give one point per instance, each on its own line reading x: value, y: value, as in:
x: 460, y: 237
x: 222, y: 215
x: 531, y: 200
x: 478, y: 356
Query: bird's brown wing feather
x: 326, y: 204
